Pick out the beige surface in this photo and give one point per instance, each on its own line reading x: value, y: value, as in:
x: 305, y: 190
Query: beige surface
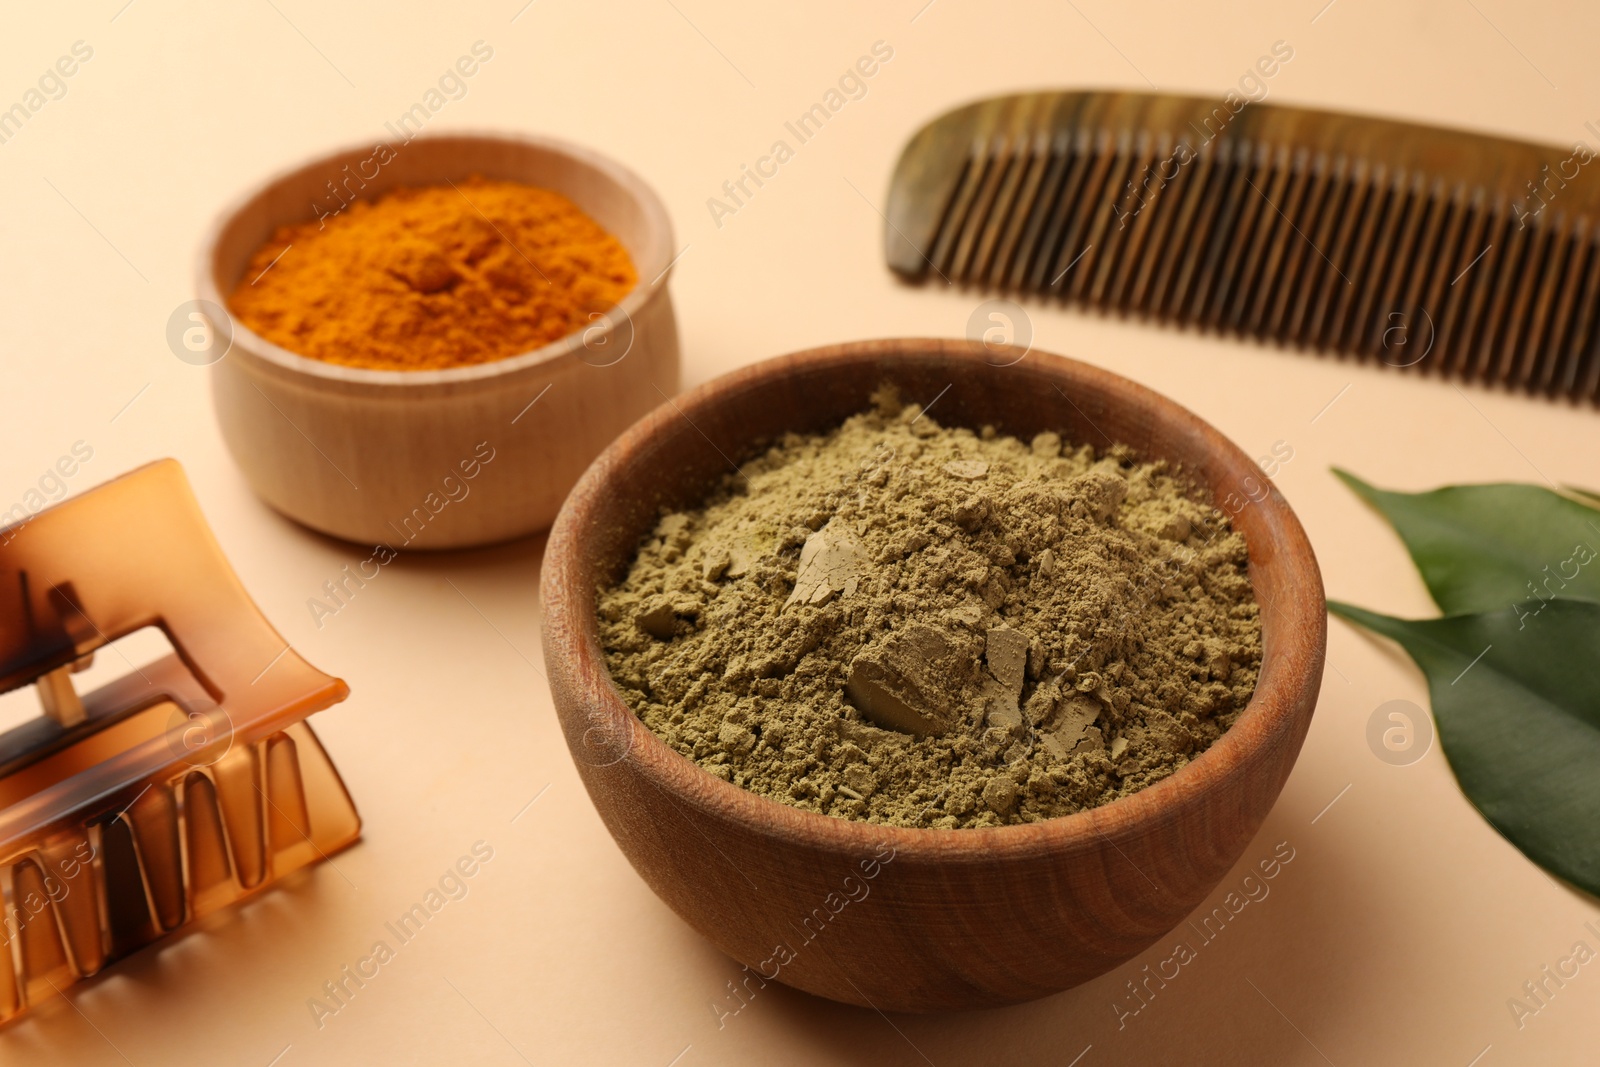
x: 1403, y: 923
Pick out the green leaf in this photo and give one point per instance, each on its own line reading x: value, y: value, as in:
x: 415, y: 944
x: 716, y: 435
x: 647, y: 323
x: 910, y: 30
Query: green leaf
x: 1483, y: 547
x: 1517, y: 702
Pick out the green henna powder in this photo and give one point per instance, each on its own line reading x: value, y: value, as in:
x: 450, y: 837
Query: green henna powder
x: 922, y: 626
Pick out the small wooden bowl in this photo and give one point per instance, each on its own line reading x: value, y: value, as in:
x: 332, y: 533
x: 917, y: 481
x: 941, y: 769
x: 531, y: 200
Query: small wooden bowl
x: 384, y: 456
x: 911, y: 919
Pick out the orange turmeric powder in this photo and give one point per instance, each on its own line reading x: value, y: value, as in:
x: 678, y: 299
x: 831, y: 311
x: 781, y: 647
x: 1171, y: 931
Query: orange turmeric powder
x: 435, y: 277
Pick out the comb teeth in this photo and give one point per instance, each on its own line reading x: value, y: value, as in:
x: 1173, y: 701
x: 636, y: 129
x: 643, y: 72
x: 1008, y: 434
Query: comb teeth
x: 1416, y: 247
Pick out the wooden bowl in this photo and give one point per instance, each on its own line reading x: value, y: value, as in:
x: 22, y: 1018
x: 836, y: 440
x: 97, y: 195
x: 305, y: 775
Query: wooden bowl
x: 383, y: 456
x: 915, y: 919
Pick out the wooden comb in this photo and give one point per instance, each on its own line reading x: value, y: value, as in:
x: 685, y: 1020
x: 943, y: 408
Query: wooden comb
x: 1449, y: 252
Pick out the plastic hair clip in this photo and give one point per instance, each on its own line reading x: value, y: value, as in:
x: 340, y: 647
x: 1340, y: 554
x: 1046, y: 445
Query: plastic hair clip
x: 131, y: 811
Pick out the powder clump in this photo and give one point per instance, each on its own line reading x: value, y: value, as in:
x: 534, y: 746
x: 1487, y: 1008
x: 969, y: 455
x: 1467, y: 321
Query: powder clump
x: 434, y: 277
x: 922, y: 626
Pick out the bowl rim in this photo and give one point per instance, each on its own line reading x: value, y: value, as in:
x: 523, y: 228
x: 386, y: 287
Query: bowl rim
x: 658, y: 224
x: 1282, y: 694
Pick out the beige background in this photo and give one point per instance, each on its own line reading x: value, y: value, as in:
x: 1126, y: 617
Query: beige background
x: 1395, y: 936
